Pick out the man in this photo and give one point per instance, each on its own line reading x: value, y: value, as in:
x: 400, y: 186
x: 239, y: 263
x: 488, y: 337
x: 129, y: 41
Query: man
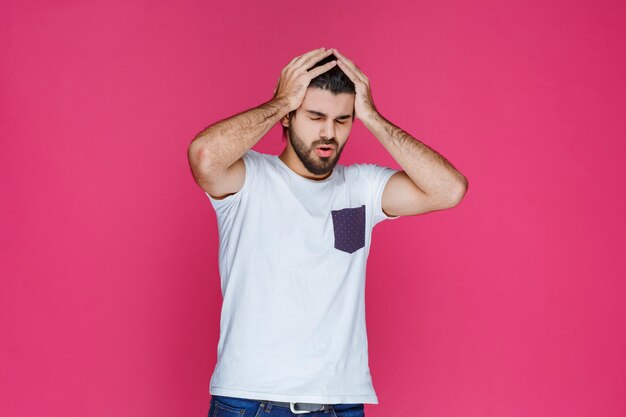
x: 295, y: 233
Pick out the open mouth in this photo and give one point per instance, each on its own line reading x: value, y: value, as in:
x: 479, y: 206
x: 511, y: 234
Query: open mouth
x: 324, y: 151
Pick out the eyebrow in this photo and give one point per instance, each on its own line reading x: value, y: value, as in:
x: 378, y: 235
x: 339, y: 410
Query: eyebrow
x: 317, y: 113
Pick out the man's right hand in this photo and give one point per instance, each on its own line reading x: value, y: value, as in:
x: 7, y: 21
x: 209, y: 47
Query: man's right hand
x: 295, y: 77
x: 216, y: 154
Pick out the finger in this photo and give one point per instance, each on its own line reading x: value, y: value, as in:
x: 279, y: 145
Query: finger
x: 352, y: 73
x: 309, y: 61
x: 314, y: 59
x: 349, y: 72
x: 345, y: 58
x: 347, y: 63
x: 302, y: 58
x: 321, y: 69
x: 287, y: 68
x: 297, y: 62
x: 292, y: 61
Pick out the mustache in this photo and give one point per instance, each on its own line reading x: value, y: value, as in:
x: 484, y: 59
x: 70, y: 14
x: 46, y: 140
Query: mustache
x: 333, y: 143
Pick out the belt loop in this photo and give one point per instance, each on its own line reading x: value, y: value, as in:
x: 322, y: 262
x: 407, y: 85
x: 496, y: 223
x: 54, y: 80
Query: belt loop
x: 268, y: 406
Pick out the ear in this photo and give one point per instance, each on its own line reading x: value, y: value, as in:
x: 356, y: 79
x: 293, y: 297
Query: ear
x: 285, y: 120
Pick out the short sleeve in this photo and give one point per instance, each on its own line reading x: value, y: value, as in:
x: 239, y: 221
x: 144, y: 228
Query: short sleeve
x: 377, y: 177
x: 230, y: 202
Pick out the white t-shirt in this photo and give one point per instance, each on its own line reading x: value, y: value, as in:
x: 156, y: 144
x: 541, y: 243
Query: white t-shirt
x: 292, y: 262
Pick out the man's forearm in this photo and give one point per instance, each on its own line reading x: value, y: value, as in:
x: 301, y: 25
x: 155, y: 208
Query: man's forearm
x: 431, y: 172
x: 226, y: 141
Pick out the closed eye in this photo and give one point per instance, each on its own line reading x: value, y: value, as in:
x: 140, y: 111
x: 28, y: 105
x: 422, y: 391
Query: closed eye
x: 319, y: 118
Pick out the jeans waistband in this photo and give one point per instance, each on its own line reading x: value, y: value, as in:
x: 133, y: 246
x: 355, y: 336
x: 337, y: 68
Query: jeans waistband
x: 295, y: 407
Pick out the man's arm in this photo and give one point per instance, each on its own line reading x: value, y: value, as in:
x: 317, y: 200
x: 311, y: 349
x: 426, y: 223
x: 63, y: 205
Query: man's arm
x: 216, y: 149
x: 429, y: 182
x: 215, y: 154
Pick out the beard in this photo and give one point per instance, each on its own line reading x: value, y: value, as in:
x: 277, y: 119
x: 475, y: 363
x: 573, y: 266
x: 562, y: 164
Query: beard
x: 314, y: 163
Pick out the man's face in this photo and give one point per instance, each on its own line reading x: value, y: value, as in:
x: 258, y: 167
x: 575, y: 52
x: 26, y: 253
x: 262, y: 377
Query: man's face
x: 322, y: 120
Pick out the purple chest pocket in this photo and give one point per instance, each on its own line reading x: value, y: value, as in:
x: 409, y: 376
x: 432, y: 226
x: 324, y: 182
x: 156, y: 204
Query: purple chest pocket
x: 349, y: 228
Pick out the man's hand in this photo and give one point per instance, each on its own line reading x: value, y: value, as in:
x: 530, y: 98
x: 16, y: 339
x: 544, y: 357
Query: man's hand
x: 295, y: 77
x: 363, y: 102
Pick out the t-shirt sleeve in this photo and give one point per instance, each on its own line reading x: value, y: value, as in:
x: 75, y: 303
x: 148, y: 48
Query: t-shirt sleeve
x: 377, y: 177
x: 230, y: 203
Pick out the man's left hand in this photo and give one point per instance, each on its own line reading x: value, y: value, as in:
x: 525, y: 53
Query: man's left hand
x: 363, y: 102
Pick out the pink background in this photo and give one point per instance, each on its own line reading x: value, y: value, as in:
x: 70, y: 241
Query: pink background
x: 510, y: 304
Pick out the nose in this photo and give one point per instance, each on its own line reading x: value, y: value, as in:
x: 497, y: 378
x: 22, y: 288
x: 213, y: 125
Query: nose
x: 328, y: 131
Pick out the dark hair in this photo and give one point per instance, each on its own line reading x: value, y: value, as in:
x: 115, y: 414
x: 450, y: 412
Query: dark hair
x: 333, y: 80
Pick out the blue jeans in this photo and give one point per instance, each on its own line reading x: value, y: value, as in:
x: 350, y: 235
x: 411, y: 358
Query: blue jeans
x: 222, y: 406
